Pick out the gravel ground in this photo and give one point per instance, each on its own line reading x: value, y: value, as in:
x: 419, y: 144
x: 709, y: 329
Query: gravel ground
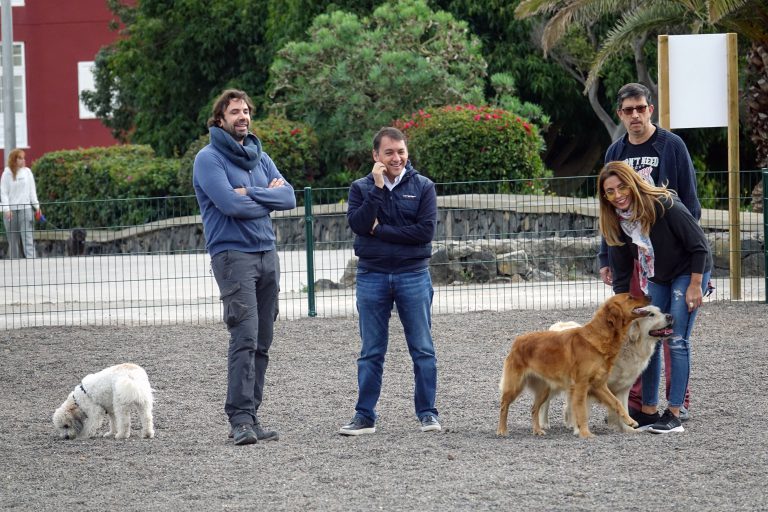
x: 719, y: 463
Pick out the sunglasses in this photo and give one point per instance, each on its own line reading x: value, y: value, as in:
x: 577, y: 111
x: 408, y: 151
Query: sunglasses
x: 628, y: 110
x: 622, y: 189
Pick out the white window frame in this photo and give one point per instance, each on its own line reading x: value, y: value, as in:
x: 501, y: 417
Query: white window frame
x: 85, y: 82
x: 21, y: 117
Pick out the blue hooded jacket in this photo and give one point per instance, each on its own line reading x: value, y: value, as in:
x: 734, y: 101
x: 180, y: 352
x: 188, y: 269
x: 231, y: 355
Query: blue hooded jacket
x: 407, y: 215
x: 232, y: 221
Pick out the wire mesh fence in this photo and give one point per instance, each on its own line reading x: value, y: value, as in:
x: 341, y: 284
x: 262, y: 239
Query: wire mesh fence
x: 143, y: 261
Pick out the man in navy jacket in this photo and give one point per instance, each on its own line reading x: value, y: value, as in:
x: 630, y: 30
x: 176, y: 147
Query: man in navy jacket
x: 393, y: 214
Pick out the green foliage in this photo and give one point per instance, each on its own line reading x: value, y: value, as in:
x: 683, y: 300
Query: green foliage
x: 154, y: 83
x: 469, y: 143
x: 96, y: 179
x: 186, y: 165
x: 293, y: 146
x: 355, y: 75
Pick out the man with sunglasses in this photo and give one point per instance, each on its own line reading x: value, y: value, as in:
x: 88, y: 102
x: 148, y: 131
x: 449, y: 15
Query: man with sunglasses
x: 662, y: 159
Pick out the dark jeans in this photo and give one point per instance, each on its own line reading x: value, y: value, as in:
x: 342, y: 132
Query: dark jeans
x: 411, y: 293
x: 249, y: 284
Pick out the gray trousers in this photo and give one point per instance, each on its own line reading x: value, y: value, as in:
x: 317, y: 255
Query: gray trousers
x: 249, y: 284
x: 19, y: 232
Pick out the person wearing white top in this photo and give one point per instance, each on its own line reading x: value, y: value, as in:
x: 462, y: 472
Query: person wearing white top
x: 18, y: 198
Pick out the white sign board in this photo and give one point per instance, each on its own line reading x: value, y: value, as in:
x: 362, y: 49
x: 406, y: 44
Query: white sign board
x: 698, y: 81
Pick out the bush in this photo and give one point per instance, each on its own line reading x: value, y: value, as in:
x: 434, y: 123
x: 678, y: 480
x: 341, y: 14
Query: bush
x: 293, y: 147
x: 95, y: 183
x: 469, y: 143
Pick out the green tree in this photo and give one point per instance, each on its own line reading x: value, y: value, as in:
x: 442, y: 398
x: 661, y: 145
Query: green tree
x: 575, y: 139
x: 173, y: 56
x: 355, y: 75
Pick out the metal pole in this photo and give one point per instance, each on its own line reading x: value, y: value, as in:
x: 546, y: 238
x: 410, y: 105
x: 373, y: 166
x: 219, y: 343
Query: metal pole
x: 765, y: 230
x: 310, y: 246
x: 9, y: 115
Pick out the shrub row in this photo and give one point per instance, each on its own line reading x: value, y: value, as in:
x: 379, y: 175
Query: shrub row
x: 453, y: 143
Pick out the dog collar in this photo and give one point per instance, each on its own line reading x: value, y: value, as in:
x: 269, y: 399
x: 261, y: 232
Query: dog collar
x: 82, y: 388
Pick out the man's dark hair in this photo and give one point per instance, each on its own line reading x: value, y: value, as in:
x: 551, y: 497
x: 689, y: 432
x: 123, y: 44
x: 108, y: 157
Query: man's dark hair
x: 222, y: 102
x: 388, y: 131
x: 633, y: 90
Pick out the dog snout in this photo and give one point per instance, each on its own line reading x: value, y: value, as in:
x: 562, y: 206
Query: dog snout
x: 670, y: 320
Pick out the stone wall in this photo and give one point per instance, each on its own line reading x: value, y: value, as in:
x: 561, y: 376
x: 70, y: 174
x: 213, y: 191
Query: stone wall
x: 479, y: 238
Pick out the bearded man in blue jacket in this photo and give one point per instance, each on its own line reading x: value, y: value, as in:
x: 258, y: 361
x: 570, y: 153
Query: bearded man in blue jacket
x: 237, y: 187
x: 393, y: 214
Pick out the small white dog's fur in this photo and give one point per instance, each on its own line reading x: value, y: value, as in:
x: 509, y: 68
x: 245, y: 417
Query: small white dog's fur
x: 113, y: 392
x: 635, y: 354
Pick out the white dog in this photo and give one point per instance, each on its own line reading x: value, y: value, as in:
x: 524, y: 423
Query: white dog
x: 112, y: 392
x: 634, y: 356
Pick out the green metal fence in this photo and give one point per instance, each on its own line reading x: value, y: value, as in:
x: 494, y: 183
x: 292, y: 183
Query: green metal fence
x: 143, y: 261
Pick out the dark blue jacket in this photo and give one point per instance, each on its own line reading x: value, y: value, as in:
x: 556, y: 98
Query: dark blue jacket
x: 675, y: 170
x: 407, y: 215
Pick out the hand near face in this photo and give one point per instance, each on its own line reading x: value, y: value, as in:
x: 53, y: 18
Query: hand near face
x: 378, y: 174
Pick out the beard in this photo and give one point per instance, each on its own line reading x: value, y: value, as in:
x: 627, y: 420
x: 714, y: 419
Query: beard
x: 232, y: 130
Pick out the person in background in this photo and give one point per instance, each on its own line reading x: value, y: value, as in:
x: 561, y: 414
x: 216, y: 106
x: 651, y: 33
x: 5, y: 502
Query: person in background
x: 237, y: 187
x: 652, y: 237
x: 661, y: 158
x: 18, y: 197
x: 393, y: 214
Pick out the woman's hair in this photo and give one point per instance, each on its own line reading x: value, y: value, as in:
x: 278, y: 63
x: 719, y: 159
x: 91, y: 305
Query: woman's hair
x: 13, y: 156
x: 643, y: 197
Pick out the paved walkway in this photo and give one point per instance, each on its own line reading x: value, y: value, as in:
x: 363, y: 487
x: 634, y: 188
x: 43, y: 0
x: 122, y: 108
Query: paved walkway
x: 160, y: 289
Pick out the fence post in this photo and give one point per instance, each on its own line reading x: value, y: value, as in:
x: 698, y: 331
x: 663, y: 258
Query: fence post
x: 765, y: 232
x: 310, y: 247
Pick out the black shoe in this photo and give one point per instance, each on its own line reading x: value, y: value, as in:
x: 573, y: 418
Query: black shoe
x: 429, y: 423
x: 668, y: 423
x: 358, y: 426
x: 261, y: 434
x: 644, y: 420
x: 244, y: 434
x: 265, y: 435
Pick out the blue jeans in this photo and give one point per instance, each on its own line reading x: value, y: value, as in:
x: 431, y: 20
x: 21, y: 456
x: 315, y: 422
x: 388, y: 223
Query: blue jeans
x: 412, y: 293
x: 671, y: 299
x: 249, y: 284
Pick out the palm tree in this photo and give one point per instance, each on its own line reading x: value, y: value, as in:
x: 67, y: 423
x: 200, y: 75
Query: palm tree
x: 640, y: 21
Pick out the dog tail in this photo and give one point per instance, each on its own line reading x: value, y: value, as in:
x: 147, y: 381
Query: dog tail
x: 137, y: 391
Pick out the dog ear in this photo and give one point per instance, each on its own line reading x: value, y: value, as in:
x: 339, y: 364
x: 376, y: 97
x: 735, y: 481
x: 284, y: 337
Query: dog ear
x: 640, y: 312
x: 633, y: 334
x: 614, y: 315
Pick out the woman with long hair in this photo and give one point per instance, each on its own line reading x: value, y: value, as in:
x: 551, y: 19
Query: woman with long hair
x: 653, y: 239
x: 18, y: 197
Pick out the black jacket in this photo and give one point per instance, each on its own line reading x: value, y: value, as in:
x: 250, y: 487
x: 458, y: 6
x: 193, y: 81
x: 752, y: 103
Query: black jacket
x: 679, y: 247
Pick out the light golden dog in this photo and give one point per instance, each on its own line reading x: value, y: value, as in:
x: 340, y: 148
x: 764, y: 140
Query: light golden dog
x: 578, y: 360
x: 636, y: 351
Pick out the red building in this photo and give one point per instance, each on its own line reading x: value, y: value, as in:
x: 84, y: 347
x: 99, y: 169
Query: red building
x: 55, y: 44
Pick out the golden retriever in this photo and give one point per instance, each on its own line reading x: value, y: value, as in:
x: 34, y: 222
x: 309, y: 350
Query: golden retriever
x: 578, y: 360
x: 636, y: 351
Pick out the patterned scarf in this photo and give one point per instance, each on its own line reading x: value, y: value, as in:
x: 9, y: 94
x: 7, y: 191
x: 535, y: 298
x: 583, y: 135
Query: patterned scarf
x: 644, y: 247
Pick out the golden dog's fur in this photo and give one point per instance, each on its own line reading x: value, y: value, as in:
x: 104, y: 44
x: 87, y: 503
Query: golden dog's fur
x: 636, y: 351
x: 578, y: 360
